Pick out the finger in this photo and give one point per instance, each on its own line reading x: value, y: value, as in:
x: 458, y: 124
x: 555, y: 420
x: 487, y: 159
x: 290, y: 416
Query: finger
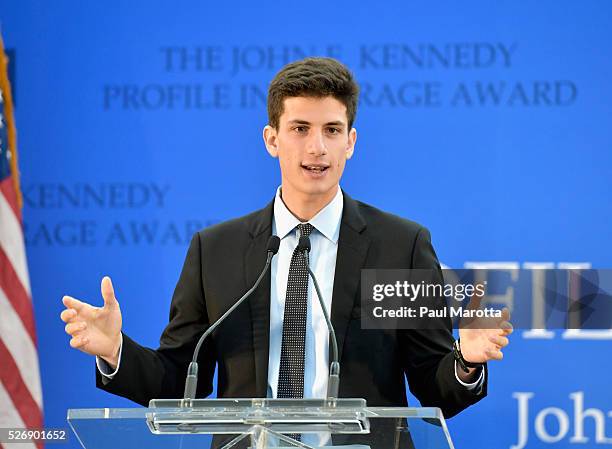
x: 474, y: 303
x: 494, y: 354
x: 480, y: 293
x: 506, y: 327
x: 73, y: 303
x: 108, y: 292
x: 72, y: 328
x: 505, y: 314
x: 499, y: 341
x: 78, y: 342
x: 476, y: 300
x: 67, y: 315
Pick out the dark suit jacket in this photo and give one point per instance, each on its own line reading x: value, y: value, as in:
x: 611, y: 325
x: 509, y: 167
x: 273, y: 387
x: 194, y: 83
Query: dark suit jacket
x: 223, y: 261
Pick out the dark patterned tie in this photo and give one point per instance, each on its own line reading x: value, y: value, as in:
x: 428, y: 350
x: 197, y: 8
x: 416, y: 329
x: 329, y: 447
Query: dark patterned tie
x: 291, y: 372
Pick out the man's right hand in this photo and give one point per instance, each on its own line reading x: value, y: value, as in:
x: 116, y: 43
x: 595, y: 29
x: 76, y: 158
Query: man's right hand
x: 95, y: 330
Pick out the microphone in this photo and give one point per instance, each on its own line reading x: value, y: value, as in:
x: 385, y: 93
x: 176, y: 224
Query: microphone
x: 191, y: 383
x: 333, y: 383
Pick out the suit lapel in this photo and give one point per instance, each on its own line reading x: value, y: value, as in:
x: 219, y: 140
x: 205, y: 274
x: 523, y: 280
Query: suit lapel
x: 260, y: 229
x: 352, y: 250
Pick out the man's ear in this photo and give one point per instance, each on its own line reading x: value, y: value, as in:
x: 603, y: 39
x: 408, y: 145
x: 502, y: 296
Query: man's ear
x: 352, y: 138
x: 271, y: 140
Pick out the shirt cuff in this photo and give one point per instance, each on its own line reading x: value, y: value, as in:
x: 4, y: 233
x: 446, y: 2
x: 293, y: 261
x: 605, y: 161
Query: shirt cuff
x: 107, y: 371
x: 477, y: 384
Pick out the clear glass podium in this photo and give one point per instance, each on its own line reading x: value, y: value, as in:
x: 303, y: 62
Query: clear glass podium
x: 259, y: 424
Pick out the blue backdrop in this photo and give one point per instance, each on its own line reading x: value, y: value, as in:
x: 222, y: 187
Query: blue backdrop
x: 138, y: 120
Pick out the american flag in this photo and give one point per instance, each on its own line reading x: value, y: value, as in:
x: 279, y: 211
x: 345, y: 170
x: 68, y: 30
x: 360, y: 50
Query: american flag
x: 20, y: 391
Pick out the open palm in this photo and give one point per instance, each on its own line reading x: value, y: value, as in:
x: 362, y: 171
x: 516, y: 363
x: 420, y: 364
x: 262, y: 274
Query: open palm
x: 94, y: 330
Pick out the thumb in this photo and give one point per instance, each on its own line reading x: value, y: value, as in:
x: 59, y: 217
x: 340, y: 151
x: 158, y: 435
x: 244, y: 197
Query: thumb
x: 475, y: 301
x: 108, y: 293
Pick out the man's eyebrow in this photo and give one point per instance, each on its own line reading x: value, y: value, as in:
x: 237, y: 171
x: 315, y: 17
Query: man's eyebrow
x: 306, y: 122
x: 336, y: 123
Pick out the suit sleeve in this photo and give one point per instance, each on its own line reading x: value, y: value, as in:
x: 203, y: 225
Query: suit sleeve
x: 429, y: 362
x: 145, y: 373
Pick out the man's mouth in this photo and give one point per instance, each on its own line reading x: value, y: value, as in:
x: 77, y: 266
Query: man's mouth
x: 315, y: 168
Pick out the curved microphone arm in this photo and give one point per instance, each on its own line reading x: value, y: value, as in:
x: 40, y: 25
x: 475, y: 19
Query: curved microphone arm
x: 191, y: 383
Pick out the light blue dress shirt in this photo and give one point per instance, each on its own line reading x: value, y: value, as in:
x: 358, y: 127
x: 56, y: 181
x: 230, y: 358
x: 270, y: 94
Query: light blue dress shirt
x: 324, y: 248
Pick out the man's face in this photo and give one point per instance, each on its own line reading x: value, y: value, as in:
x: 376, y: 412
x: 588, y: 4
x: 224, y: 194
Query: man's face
x: 312, y: 143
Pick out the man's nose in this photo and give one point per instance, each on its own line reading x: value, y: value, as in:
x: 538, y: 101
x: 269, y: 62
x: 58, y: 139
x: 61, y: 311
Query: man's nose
x: 316, y: 144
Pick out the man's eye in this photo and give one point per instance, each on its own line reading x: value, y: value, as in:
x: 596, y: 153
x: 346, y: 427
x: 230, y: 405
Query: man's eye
x: 333, y: 130
x: 300, y: 129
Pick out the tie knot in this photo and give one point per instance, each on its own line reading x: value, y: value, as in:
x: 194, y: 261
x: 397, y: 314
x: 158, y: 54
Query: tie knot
x: 305, y: 229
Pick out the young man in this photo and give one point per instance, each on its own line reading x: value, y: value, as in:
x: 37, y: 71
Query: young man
x: 280, y: 330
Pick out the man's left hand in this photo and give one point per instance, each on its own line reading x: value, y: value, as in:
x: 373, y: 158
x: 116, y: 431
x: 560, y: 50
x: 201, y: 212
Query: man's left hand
x: 482, y: 339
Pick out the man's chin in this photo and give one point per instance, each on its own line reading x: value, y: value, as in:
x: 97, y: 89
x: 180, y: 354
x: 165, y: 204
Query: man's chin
x: 319, y: 190
x: 313, y: 189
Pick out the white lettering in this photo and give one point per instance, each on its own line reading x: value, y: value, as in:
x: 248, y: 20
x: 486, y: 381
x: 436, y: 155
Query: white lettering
x: 579, y: 415
x: 540, y: 424
x: 523, y: 419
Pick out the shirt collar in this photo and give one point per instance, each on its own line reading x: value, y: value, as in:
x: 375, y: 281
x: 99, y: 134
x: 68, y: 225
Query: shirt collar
x: 327, y: 221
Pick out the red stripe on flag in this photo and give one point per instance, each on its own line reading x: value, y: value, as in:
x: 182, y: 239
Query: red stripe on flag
x: 17, y: 295
x: 7, y: 188
x: 11, y: 379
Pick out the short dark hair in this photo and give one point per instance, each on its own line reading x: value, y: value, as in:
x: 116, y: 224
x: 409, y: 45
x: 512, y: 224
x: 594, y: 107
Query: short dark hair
x: 313, y: 77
